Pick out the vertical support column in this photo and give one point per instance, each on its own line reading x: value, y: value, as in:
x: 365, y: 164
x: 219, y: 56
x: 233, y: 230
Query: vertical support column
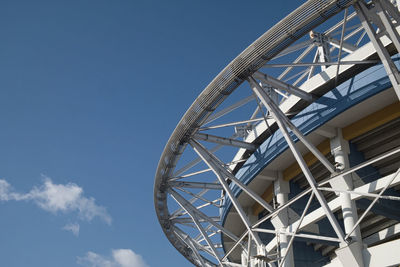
x: 254, y: 249
x: 246, y: 255
x: 257, y: 253
x: 282, y: 190
x: 340, y: 150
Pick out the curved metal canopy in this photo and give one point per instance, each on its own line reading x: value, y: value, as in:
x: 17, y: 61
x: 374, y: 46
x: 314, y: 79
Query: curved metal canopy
x: 278, y: 98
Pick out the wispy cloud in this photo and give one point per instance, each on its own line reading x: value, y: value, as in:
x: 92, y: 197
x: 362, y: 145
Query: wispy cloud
x: 73, y: 227
x: 57, y: 198
x: 119, y: 258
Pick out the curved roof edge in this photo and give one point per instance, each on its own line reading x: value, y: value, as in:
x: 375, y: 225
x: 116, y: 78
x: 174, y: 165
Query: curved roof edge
x: 288, y: 30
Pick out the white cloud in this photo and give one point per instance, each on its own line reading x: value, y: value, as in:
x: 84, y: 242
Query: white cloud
x: 58, y: 198
x: 128, y: 258
x: 73, y: 227
x: 95, y: 260
x: 119, y: 258
x: 4, y: 190
x: 7, y: 193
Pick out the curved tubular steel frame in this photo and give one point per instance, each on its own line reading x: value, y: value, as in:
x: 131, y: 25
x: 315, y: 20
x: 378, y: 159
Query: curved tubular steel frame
x: 275, y: 43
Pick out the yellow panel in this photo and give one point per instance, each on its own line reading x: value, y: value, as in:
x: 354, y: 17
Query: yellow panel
x: 293, y: 170
x: 372, y: 121
x: 267, y: 196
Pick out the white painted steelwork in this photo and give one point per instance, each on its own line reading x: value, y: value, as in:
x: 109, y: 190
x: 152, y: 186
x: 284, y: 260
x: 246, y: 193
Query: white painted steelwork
x: 205, y: 202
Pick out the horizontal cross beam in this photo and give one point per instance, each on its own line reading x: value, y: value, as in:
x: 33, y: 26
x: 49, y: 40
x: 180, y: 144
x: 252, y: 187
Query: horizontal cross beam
x: 224, y: 141
x: 200, y: 185
x: 275, y: 83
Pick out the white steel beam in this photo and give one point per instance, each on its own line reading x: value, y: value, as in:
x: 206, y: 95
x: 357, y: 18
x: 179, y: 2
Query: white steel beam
x: 374, y: 201
x: 391, y: 9
x: 341, y: 45
x: 205, y: 170
x: 331, y: 31
x: 189, y: 220
x: 364, y: 164
x: 208, y: 240
x: 228, y: 109
x: 198, y: 160
x: 224, y: 141
x: 297, y: 60
x: 188, y: 175
x: 386, y: 21
x: 197, y: 247
x: 280, y: 208
x: 295, y: 231
x: 308, y: 64
x: 238, y: 242
x: 220, y: 170
x: 199, y: 214
x: 275, y: 83
x: 311, y: 68
x: 183, y: 212
x: 359, y: 193
x: 296, y: 82
x: 359, y: 29
x: 391, y: 69
x: 200, y: 197
x: 283, y: 121
x: 199, y: 238
x: 232, y: 264
x: 335, y: 204
x: 349, y: 48
x: 230, y: 124
x: 203, y: 153
x: 361, y: 37
x: 190, y: 165
x: 294, y: 48
x: 201, y: 185
x: 192, y: 244
x: 356, y: 27
x: 192, y: 201
x: 307, y: 173
x: 308, y: 236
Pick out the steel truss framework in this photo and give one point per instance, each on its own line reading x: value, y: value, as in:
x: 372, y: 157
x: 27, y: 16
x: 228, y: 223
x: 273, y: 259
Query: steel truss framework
x: 274, y: 71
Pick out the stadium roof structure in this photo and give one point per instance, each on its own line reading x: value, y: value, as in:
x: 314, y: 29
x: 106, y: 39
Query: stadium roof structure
x: 291, y: 155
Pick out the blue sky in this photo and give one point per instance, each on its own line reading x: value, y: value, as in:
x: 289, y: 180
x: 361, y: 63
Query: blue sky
x: 90, y: 92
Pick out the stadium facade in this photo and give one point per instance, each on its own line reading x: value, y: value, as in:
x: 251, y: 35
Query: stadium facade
x: 291, y: 155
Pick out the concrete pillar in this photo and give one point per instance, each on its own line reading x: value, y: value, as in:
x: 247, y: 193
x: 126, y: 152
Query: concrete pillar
x: 254, y: 259
x: 281, y: 191
x: 340, y: 150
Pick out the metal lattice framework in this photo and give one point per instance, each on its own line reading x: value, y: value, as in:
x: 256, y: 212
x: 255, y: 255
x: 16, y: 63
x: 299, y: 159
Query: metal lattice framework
x: 211, y: 187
